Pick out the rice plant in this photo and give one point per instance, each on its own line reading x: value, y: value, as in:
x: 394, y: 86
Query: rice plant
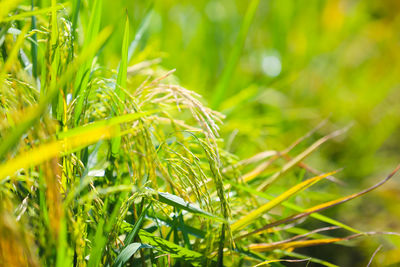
x: 124, y: 167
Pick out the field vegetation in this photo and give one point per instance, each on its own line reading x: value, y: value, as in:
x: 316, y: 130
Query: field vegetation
x: 126, y: 140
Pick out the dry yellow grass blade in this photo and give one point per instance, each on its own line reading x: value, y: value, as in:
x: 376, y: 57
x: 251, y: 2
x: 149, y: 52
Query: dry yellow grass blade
x: 263, y: 247
x: 263, y: 166
x: 268, y: 262
x: 326, y: 205
x: 288, y: 166
x: 249, y: 218
x: 70, y: 141
x: 290, y: 244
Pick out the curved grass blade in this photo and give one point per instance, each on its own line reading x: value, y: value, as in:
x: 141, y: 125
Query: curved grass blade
x: 249, y: 218
x: 326, y: 205
x: 193, y: 257
x: 14, y: 53
x: 34, y: 44
x: 128, y: 252
x: 138, y: 36
x: 27, y: 14
x: 121, y: 83
x: 275, y: 155
x: 6, y: 7
x: 268, y: 262
x: 104, y: 230
x: 373, y: 255
x: 13, y: 137
x: 181, y: 227
x: 223, y: 83
x: 71, y: 141
x: 287, y: 244
x: 83, y: 74
x: 288, y: 166
x: 136, y: 227
x: 294, y: 207
x: 301, y: 256
x: 180, y: 203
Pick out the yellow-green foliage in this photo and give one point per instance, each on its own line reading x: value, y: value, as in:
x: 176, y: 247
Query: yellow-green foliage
x: 118, y: 165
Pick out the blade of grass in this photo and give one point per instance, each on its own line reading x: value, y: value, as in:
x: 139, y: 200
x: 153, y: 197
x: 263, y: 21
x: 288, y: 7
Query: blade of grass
x: 263, y: 166
x: 14, y: 53
x: 83, y: 74
x: 249, y: 218
x: 34, y: 45
x: 136, y: 227
x: 179, y: 203
x: 128, y: 252
x: 72, y: 140
x: 268, y: 262
x: 6, y: 6
x: 27, y: 14
x: 182, y: 227
x: 58, y: 106
x: 139, y: 34
x: 13, y: 137
x: 288, y: 244
x: 176, y: 251
x: 121, y: 84
x: 288, y: 166
x: 223, y: 83
x: 301, y: 256
x: 294, y: 207
x: 326, y: 205
x: 75, y: 14
x: 373, y: 255
x: 103, y: 231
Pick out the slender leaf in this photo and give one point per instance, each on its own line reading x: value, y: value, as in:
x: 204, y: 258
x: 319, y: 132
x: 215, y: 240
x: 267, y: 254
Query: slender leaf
x: 180, y: 203
x: 12, y: 138
x: 288, y: 166
x: 128, y: 252
x: 223, y: 83
x: 294, y: 207
x: 249, y: 218
x: 326, y: 205
x: 176, y: 251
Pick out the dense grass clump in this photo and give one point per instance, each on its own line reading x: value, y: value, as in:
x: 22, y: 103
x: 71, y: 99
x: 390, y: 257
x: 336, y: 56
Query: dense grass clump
x: 105, y: 166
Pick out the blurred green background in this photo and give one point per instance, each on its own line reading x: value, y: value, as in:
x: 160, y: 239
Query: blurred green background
x: 301, y: 62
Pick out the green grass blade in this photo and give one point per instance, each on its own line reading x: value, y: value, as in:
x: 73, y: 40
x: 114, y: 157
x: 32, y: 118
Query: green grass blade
x: 136, y: 227
x: 176, y: 251
x: 181, y: 227
x: 34, y: 45
x: 139, y: 34
x: 120, y: 85
x: 12, y: 138
x: 99, y: 242
x: 179, y: 203
x: 83, y: 74
x: 223, y: 83
x: 14, y: 54
x: 28, y: 14
x: 127, y: 253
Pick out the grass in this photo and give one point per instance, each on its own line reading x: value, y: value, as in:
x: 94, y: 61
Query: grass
x: 103, y: 166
